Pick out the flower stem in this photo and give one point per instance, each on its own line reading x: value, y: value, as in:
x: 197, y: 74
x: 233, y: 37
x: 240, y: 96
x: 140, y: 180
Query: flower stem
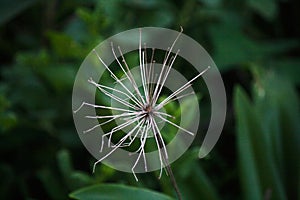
x: 173, y: 181
x: 169, y: 170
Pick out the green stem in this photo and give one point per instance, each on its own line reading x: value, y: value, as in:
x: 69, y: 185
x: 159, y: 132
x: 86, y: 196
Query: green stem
x: 169, y: 170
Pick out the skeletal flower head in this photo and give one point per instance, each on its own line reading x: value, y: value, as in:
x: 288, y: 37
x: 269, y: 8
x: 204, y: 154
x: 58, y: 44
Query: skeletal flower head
x: 139, y: 106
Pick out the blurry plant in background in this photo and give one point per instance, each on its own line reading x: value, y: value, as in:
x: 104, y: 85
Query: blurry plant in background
x: 255, y: 45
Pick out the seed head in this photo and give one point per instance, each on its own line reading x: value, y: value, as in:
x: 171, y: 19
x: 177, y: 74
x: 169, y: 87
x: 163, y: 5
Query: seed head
x: 143, y: 110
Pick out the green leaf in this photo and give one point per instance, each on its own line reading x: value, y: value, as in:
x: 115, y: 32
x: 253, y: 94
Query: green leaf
x: 207, y: 190
x: 116, y: 192
x: 256, y: 136
x: 193, y: 174
x: 281, y: 120
x: 249, y: 173
x: 80, y: 178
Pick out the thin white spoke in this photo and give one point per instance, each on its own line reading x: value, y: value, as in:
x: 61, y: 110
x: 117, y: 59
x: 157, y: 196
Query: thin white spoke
x: 123, y: 59
x: 142, y: 71
x: 131, y: 76
x: 179, y: 127
x: 140, y: 54
x: 121, y: 126
x: 152, y: 78
x: 180, y: 90
x: 131, y: 117
x: 165, y: 61
x: 182, y: 96
x: 161, y: 76
x: 146, y: 71
x: 165, y: 158
x: 136, y: 161
x: 112, y: 89
x: 118, y: 99
x: 158, y: 147
x: 178, y: 97
x: 143, y: 133
x: 158, y: 82
x: 130, y: 133
x: 100, y: 106
x: 114, y: 116
x: 161, y: 139
x: 115, y: 148
x: 136, y: 134
x: 166, y: 55
x: 116, y: 78
x: 162, y: 113
x: 165, y: 77
x: 144, y: 143
x: 160, y: 105
x: 150, y: 75
x: 98, y: 125
x: 142, y: 65
x: 142, y: 152
x: 111, y: 132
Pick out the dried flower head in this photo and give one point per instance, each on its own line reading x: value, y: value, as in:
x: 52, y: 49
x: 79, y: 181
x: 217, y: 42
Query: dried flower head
x: 143, y: 110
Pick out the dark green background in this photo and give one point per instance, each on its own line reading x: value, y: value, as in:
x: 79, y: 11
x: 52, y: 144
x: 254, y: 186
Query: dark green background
x: 255, y: 44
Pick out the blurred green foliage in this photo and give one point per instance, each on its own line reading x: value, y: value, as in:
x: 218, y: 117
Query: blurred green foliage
x: 254, y: 43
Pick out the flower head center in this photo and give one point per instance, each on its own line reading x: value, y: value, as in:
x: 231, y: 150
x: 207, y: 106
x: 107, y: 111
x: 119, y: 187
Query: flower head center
x: 148, y: 109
